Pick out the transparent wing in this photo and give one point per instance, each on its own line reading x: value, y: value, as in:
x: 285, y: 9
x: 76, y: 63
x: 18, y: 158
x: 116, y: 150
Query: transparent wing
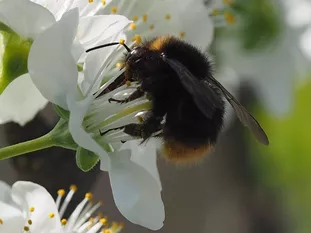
x: 204, y: 97
x: 244, y: 116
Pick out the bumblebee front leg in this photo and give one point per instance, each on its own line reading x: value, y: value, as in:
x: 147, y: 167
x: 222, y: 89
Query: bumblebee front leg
x: 135, y: 95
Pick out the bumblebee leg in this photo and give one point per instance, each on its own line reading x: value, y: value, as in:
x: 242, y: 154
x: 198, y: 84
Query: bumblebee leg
x: 107, y: 131
x: 135, y: 95
x: 150, y: 125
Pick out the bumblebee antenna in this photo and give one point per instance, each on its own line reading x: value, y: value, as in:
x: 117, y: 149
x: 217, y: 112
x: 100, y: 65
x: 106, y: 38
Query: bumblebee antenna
x: 121, y: 42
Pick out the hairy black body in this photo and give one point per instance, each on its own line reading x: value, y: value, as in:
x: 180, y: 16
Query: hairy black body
x: 178, y: 77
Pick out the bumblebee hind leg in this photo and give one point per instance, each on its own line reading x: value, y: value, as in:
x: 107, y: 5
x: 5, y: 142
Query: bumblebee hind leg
x: 151, y: 124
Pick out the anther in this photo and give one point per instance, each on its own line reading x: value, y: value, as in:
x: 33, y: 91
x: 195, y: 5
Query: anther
x: 99, y: 215
x: 88, y: 196
x: 119, y: 65
x: 132, y: 26
x: 128, y: 83
x: 182, y: 34
x: 104, y: 2
x: 167, y: 16
x: 151, y: 27
x: 63, y: 221
x: 106, y: 231
x: 26, y: 228
x: 31, y: 209
x: 145, y: 17
x: 140, y: 118
x: 137, y: 39
x: 227, y: 2
x: 114, y: 10
x: 229, y: 17
x: 73, y: 188
x: 135, y: 18
x: 103, y: 221
x: 215, y: 12
x: 61, y: 192
x: 1, y: 221
x: 122, y: 41
x: 90, y: 1
x: 29, y: 222
x: 51, y: 215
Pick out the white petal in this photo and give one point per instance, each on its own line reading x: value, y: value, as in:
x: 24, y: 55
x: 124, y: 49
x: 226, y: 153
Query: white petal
x: 100, y: 27
x: 197, y: 25
x: 56, y: 75
x: 145, y: 155
x: 136, y: 193
x: 78, y: 111
x: 26, y: 18
x: 27, y: 195
x: 21, y: 101
x: 5, y: 192
x: 12, y: 219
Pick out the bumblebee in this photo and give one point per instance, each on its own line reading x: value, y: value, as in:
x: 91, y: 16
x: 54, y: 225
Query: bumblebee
x: 179, y: 79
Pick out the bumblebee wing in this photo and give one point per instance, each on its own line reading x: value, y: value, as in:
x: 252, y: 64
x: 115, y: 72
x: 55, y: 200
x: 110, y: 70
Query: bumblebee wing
x: 203, y: 96
x: 245, y: 117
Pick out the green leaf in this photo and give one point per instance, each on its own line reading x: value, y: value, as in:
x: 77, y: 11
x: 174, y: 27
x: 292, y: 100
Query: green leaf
x: 14, y: 56
x: 61, y: 112
x: 285, y: 165
x: 86, y: 159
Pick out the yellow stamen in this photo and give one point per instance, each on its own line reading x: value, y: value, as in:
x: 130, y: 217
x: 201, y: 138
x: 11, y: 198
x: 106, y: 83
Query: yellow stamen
x: 137, y: 39
x: 73, y: 188
x: 132, y: 26
x: 32, y: 209
x: 99, y: 215
x: 114, y: 10
x: 103, y: 221
x: 145, y: 17
x: 151, y: 27
x: 90, y: 1
x: 106, y: 231
x: 51, y: 215
x: 61, y: 192
x: 182, y: 34
x: 103, y: 2
x: 29, y: 222
x: 228, y: 2
x: 121, y: 41
x: 140, y: 118
x: 1, y: 221
x: 26, y: 228
x: 88, y: 196
x: 135, y: 18
x: 229, y: 17
x: 167, y: 16
x: 215, y: 12
x: 119, y: 65
x: 63, y: 221
x: 128, y: 83
x: 121, y: 225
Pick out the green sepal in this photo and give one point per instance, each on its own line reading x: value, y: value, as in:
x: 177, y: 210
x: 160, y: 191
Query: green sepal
x: 64, y: 114
x: 14, y: 56
x: 62, y: 137
x: 86, y: 159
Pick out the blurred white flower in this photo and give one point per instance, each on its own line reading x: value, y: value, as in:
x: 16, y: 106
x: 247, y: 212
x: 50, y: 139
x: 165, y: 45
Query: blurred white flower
x: 272, y: 70
x: 136, y: 186
x: 20, y: 100
x: 28, y: 207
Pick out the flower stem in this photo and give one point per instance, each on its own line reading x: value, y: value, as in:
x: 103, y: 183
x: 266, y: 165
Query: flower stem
x: 43, y: 142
